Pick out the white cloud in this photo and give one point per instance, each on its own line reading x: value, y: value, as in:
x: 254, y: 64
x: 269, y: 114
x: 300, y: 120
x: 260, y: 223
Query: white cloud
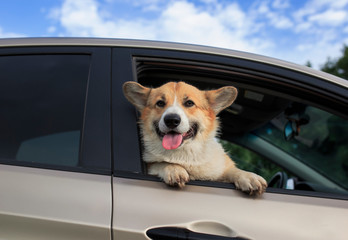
x: 345, y: 30
x: 281, y: 4
x: 82, y: 18
x: 320, y: 27
x: 183, y: 22
x: 180, y: 21
x: 276, y: 18
x: 10, y: 34
x: 319, y: 52
x: 216, y: 23
x: 338, y: 4
x: 51, y: 29
x: 148, y: 5
x: 329, y: 18
x: 323, y: 12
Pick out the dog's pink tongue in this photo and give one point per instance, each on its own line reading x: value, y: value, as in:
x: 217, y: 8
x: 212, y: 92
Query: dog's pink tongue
x: 171, y: 141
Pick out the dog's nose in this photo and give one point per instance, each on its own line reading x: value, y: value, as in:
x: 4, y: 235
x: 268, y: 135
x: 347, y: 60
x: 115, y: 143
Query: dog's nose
x: 172, y: 120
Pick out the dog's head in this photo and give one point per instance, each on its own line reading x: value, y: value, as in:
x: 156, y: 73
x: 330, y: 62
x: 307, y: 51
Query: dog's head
x: 177, y: 113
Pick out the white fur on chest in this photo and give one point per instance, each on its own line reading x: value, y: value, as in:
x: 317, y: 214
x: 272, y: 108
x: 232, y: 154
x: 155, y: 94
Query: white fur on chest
x: 204, y: 161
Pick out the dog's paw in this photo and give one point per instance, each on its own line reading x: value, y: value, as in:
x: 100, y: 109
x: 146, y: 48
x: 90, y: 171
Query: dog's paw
x: 175, y: 175
x: 251, y: 183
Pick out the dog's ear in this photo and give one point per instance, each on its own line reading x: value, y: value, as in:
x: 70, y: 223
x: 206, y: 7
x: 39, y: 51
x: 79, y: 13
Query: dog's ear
x: 221, y: 98
x: 136, y: 94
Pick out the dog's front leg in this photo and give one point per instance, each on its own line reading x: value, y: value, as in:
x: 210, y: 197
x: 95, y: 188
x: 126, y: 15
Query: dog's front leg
x: 172, y: 174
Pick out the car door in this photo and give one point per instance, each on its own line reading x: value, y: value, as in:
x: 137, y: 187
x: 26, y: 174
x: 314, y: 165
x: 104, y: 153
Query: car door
x: 145, y: 208
x: 55, y: 163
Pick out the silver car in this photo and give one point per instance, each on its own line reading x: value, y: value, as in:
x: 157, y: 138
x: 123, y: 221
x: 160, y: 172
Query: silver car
x: 70, y: 150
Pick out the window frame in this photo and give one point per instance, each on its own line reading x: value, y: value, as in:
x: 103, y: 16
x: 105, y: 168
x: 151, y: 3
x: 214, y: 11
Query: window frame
x: 127, y: 152
x: 95, y: 142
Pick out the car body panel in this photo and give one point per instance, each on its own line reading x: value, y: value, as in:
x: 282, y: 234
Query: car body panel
x: 142, y: 205
x: 48, y: 204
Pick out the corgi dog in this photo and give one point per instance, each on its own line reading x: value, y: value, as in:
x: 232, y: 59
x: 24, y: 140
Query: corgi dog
x: 178, y: 125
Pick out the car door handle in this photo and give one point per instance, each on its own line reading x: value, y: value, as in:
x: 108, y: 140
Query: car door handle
x: 177, y: 233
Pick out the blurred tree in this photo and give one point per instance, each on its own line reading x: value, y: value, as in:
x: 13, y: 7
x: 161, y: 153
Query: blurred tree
x: 308, y: 64
x: 251, y: 161
x: 338, y: 67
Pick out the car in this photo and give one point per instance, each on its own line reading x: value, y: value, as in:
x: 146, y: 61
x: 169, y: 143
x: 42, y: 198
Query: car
x: 71, y: 154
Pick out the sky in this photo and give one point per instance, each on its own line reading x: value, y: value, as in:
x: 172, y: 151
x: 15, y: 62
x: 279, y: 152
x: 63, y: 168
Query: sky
x: 297, y: 31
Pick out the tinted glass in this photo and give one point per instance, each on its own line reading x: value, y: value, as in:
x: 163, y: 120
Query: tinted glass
x: 42, y: 100
x: 313, y: 136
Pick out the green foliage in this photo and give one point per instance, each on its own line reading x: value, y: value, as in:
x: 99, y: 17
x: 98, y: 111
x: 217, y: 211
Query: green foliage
x: 308, y: 64
x: 338, y: 67
x: 250, y: 161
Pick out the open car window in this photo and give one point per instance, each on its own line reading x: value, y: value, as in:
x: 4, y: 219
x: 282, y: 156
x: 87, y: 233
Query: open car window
x: 272, y: 129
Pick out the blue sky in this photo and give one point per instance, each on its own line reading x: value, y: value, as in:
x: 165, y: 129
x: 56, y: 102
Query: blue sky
x: 296, y: 31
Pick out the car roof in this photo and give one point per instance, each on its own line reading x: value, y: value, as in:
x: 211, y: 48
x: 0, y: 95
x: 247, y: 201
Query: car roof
x: 107, y: 42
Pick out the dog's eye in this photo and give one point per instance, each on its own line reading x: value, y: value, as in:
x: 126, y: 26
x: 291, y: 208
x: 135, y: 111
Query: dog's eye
x: 160, y: 103
x: 189, y: 103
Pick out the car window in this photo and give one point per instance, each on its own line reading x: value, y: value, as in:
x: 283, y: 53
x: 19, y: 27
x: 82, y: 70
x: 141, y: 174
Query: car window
x: 271, y: 129
x: 42, y: 99
x: 59, y: 149
x: 315, y: 137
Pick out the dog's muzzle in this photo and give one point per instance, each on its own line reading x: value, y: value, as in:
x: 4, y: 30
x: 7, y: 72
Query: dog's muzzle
x: 173, y: 139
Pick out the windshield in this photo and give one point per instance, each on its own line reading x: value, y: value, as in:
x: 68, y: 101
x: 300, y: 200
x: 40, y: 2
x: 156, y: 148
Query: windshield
x: 313, y: 136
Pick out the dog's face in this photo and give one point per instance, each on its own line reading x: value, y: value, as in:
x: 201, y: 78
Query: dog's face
x: 175, y: 114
